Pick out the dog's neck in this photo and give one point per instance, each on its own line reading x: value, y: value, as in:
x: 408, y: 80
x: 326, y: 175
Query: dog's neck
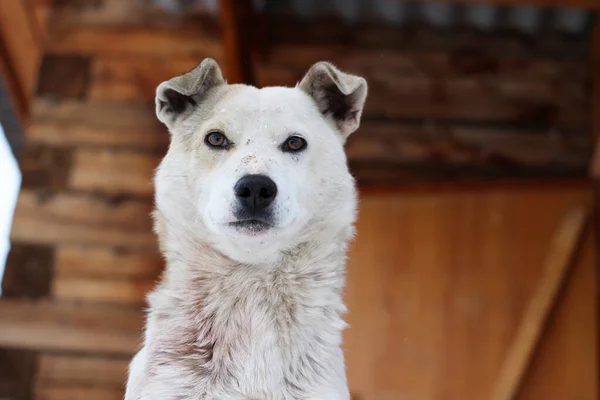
x: 272, y: 323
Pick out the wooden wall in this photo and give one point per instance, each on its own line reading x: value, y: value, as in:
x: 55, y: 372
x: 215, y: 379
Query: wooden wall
x: 437, y: 285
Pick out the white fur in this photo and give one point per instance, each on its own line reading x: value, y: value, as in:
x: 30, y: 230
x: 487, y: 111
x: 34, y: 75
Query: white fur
x: 240, y: 316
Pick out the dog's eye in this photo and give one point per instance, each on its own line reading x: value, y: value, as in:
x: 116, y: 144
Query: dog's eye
x: 294, y: 144
x: 217, y: 140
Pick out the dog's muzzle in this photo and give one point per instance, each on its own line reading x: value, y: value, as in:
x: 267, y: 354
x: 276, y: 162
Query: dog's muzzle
x: 254, y: 193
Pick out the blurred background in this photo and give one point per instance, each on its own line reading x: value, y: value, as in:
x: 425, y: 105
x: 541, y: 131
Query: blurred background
x: 473, y: 275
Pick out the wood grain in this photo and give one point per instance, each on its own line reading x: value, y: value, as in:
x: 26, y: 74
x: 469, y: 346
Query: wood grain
x: 107, y: 124
x: 490, y: 99
x: 18, y: 39
x: 107, y: 262
x: 77, y: 393
x: 518, y: 357
x: 113, y: 172
x: 82, y: 219
x: 70, y: 327
x: 90, y: 290
x: 437, y: 285
x: 133, y: 41
x: 135, y: 78
x: 588, y: 4
x: 71, y: 370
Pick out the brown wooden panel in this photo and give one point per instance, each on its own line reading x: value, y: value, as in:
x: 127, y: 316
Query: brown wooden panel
x: 436, y: 287
x: 108, y: 124
x: 393, y: 95
x: 568, y: 350
x: 450, y: 60
x: 70, y: 370
x: 117, y: 291
x: 107, y: 262
x: 589, y: 4
x: 64, y: 76
x: 397, y: 143
x: 135, y: 78
x: 70, y: 327
x: 71, y: 218
x: 113, y: 171
x: 28, y: 272
x: 130, y: 41
x: 44, y: 392
x: 17, y: 373
x: 19, y: 42
x: 45, y: 167
x: 288, y: 31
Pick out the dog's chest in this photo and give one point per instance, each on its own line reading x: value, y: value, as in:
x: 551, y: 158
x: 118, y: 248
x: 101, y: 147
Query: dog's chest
x: 259, y: 335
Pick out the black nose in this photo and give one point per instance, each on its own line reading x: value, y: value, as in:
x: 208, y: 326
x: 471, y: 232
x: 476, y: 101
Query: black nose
x: 255, y: 192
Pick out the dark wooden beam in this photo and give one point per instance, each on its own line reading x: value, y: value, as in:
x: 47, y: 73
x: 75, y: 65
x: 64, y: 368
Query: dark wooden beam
x: 237, y: 21
x: 589, y: 4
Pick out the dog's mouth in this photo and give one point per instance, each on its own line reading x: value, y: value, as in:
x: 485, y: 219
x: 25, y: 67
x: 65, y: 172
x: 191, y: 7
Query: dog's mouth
x: 251, y: 226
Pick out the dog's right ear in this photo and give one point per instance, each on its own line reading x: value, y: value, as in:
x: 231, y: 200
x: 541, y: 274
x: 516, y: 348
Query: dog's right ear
x: 175, y: 98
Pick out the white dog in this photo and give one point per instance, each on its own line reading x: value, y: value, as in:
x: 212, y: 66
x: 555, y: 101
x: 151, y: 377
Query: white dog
x: 254, y: 210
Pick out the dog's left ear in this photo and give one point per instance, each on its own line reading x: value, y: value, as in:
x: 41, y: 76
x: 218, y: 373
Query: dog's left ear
x: 338, y: 95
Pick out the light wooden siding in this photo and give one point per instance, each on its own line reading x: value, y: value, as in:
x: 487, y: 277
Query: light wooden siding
x: 437, y: 285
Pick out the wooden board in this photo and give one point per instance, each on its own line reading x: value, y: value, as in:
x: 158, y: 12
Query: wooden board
x: 113, y: 172
x: 437, y: 285
x: 107, y: 262
x: 109, y: 124
x: 131, y: 41
x: 90, y: 290
x: 28, y: 271
x: 587, y: 4
x: 77, y: 393
x: 64, y: 76
x: 20, y: 44
x: 83, y: 219
x: 490, y: 99
x: 70, y: 327
x: 71, y: 370
x: 135, y: 78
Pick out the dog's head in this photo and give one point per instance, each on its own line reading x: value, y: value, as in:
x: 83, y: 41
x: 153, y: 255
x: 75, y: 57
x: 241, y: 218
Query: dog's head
x: 256, y: 171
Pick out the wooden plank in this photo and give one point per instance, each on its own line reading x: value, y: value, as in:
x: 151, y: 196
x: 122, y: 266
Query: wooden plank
x: 28, y: 271
x: 132, y: 13
x: 113, y: 172
x: 82, y: 219
x: 448, y: 280
x: 134, y: 41
x: 439, y: 144
x: 101, y: 290
x: 64, y: 76
x: 237, y: 23
x: 64, y: 369
x: 108, y: 124
x: 45, y: 167
x: 451, y: 61
x: 587, y: 4
x: 292, y: 31
x: 44, y: 392
x: 70, y: 327
x: 20, y: 44
x: 595, y: 55
x: 41, y: 12
x: 17, y: 373
x: 464, y: 98
x: 107, y: 262
x: 540, y: 305
x: 134, y: 78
